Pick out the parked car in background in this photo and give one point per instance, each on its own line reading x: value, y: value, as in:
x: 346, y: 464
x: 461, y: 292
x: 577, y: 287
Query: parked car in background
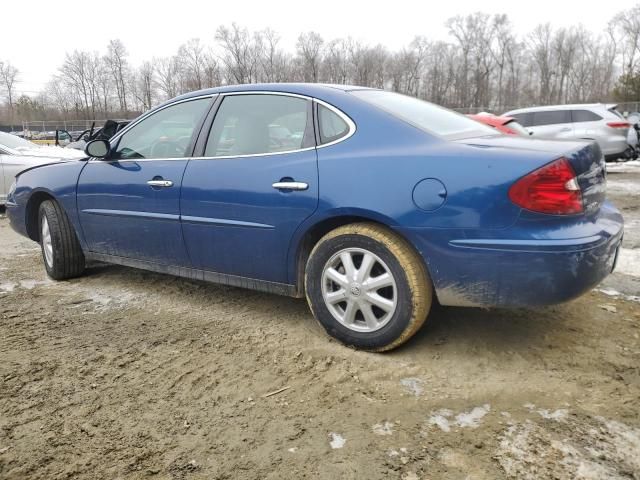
x: 599, y: 122
x: 502, y: 123
x: 108, y: 130
x: 369, y: 204
x: 17, y: 154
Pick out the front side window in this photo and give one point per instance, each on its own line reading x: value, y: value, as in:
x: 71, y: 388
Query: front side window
x: 551, y: 117
x: 424, y: 115
x: 258, y: 124
x: 332, y: 126
x: 165, y: 134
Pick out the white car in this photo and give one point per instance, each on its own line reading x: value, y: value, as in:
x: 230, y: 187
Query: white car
x: 18, y: 154
x: 598, y: 121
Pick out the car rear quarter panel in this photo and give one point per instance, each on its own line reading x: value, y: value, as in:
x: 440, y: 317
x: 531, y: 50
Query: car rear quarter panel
x: 373, y: 174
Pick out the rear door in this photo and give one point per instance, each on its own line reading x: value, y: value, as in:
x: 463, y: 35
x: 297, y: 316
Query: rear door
x: 255, y: 183
x: 585, y: 123
x: 552, y: 124
x: 129, y: 204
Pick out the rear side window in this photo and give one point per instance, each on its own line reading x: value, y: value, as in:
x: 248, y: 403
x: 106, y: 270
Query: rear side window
x: 258, y: 124
x: 584, y: 116
x: 332, y: 127
x: 424, y: 115
x: 551, y: 117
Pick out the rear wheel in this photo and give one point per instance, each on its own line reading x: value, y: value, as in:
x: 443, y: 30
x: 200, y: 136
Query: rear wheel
x: 61, y: 251
x: 367, y: 287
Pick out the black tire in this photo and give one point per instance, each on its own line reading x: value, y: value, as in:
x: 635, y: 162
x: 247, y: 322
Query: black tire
x: 67, y: 257
x: 413, y: 292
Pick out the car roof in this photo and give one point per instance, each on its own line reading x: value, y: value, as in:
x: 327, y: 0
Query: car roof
x: 606, y: 106
x: 309, y: 89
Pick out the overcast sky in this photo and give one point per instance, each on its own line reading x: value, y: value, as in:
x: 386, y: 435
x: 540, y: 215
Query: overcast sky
x: 35, y: 38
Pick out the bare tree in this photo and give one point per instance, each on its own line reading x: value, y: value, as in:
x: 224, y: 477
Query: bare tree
x: 118, y: 66
x: 80, y: 71
x: 8, y: 79
x: 240, y: 56
x: 309, y: 48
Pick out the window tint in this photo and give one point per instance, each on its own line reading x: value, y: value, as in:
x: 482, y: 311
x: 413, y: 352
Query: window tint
x: 551, y: 117
x: 524, y: 119
x: 165, y: 134
x: 584, y: 116
x: 332, y: 126
x: 252, y: 124
x: 424, y: 115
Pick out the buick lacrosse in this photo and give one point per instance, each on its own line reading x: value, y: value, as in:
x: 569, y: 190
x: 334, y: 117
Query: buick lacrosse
x: 371, y: 204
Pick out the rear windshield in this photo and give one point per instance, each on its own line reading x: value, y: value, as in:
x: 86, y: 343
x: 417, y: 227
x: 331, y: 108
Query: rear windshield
x: 424, y: 115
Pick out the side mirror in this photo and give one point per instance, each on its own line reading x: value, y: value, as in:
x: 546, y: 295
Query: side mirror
x: 98, y: 148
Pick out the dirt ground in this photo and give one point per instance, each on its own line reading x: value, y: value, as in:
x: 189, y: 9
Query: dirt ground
x: 127, y: 374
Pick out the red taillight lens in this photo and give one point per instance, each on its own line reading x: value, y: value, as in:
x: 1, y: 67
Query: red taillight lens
x: 551, y: 189
x: 618, y: 124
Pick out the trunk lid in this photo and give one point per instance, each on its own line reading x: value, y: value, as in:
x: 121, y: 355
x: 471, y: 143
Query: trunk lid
x: 585, y: 158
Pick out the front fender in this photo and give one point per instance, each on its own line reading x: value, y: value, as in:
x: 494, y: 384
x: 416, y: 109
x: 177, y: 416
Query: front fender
x: 58, y: 181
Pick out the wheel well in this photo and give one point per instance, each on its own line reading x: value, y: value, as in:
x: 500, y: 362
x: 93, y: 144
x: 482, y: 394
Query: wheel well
x: 315, y: 233
x: 33, y: 206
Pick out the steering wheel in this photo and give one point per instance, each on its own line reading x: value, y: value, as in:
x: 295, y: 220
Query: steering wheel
x: 166, y: 148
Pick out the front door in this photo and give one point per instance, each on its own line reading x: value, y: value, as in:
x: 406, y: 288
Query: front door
x: 256, y: 182
x: 129, y: 203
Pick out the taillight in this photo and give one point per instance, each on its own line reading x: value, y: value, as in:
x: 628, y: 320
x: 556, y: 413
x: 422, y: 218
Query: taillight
x: 618, y: 124
x: 551, y: 189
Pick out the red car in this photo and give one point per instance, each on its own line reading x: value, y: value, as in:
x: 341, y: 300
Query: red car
x: 508, y: 125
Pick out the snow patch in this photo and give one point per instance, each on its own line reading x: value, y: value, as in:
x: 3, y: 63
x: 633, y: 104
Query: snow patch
x: 624, y: 167
x: 629, y: 262
x: 472, y: 419
x: 7, y: 287
x: 337, y: 440
x: 614, y: 293
x: 385, y: 428
x: 558, y: 415
x: 600, y: 449
x: 413, y: 385
x: 628, y: 187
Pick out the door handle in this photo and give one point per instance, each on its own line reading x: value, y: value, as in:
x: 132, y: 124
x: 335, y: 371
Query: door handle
x: 290, y: 186
x: 160, y: 183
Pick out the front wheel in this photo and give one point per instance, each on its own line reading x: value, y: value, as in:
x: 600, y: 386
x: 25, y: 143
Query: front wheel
x: 61, y: 251
x: 367, y: 287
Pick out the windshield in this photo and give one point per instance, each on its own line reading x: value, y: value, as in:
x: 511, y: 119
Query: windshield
x: 424, y: 115
x: 14, y: 142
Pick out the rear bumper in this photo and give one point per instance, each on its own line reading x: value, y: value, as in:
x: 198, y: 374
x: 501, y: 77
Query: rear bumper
x: 521, y: 267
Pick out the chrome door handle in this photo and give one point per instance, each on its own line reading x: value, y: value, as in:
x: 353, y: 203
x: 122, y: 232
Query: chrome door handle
x: 160, y: 183
x: 290, y: 186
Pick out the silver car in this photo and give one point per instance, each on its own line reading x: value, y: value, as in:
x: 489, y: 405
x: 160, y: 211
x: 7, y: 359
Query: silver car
x: 597, y: 121
x: 17, y: 154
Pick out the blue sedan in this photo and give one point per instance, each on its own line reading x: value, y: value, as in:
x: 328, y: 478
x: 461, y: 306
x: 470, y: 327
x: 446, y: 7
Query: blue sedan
x: 369, y: 203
